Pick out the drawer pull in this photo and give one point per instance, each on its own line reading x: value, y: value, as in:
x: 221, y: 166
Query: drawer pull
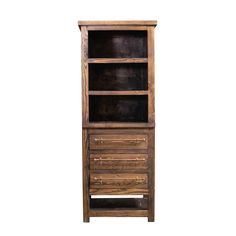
x: 136, y: 179
x: 119, y: 159
x: 135, y: 141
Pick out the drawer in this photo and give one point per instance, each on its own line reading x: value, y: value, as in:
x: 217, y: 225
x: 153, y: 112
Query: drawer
x: 118, y: 161
x: 119, y: 141
x: 118, y: 181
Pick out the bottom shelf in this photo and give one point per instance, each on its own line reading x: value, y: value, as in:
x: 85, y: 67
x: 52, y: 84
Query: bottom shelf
x: 133, y: 207
x: 119, y: 213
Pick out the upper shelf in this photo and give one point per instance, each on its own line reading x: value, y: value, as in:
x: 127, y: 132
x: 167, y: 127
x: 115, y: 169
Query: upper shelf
x: 117, y: 60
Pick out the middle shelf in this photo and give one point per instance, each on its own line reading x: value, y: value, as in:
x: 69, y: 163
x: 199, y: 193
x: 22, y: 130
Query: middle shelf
x: 131, y: 92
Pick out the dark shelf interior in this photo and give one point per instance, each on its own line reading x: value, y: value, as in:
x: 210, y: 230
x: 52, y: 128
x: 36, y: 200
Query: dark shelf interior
x: 117, y: 44
x: 118, y: 203
x: 124, y: 108
x: 118, y: 77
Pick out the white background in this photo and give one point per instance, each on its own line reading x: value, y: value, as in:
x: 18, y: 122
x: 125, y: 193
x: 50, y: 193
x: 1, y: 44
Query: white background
x: 40, y: 117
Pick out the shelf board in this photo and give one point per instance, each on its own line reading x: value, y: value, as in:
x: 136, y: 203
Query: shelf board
x: 118, y: 213
x: 117, y: 60
x: 110, y: 191
x: 134, y: 92
x: 119, y: 125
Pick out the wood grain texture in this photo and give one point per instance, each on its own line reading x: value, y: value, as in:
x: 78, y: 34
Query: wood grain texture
x: 119, y: 213
x: 118, y: 23
x: 118, y: 125
x: 117, y: 60
x: 151, y: 91
x: 103, y: 181
x: 118, y: 191
x: 118, y: 162
x: 115, y: 27
x: 86, y: 196
x: 119, y: 131
x: 138, y: 92
x: 84, y: 69
x: 117, y: 141
x: 151, y: 176
x: 118, y: 114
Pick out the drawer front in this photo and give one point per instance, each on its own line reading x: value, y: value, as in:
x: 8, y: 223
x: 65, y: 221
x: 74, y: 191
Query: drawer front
x: 119, y: 141
x: 118, y: 181
x: 118, y: 161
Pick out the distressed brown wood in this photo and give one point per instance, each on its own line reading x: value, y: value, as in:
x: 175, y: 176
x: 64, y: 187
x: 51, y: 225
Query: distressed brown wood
x: 151, y: 176
x: 118, y: 191
x: 141, y: 92
x: 118, y: 161
x: 84, y: 69
x: 115, y: 27
x: 118, y: 141
x: 118, y: 180
x: 117, y: 59
x: 118, y: 23
x: 118, y: 125
x: 151, y: 93
x: 119, y: 213
x: 85, y: 163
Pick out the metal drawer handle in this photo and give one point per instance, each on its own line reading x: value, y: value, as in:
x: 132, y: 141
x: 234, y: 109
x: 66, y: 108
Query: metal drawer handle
x: 136, y: 179
x: 136, y: 140
x: 119, y: 159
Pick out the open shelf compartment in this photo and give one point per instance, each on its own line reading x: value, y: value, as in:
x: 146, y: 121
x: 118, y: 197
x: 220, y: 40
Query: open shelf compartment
x: 118, y: 76
x: 118, y: 108
x: 118, y: 203
x: 117, y: 44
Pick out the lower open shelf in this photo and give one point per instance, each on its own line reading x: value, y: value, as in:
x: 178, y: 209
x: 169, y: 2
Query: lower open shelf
x: 130, y: 207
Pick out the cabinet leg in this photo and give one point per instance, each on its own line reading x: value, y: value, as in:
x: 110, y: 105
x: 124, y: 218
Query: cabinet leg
x: 86, y: 218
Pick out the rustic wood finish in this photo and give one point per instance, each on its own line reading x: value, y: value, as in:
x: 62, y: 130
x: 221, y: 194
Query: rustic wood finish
x: 118, y: 161
x: 117, y: 61
x: 118, y: 141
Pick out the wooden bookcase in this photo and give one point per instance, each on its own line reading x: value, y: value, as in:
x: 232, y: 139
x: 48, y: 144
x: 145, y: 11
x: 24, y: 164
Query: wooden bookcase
x: 118, y: 118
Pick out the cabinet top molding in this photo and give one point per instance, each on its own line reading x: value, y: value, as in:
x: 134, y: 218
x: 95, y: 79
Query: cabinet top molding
x: 118, y: 23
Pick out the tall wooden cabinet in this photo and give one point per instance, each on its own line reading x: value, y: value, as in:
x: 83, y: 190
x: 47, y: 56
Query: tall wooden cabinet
x: 118, y: 118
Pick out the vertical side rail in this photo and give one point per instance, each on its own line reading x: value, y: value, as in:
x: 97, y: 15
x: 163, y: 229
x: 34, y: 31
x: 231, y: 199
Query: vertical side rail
x: 151, y: 118
x: 85, y: 109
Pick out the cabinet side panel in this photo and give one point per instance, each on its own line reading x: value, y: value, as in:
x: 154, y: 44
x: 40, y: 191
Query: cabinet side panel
x: 151, y: 87
x: 85, y: 176
x: 84, y: 69
x: 151, y: 118
x: 151, y: 196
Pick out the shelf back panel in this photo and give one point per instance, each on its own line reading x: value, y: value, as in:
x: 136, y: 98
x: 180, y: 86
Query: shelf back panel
x: 118, y: 77
x: 116, y: 108
x: 117, y: 44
